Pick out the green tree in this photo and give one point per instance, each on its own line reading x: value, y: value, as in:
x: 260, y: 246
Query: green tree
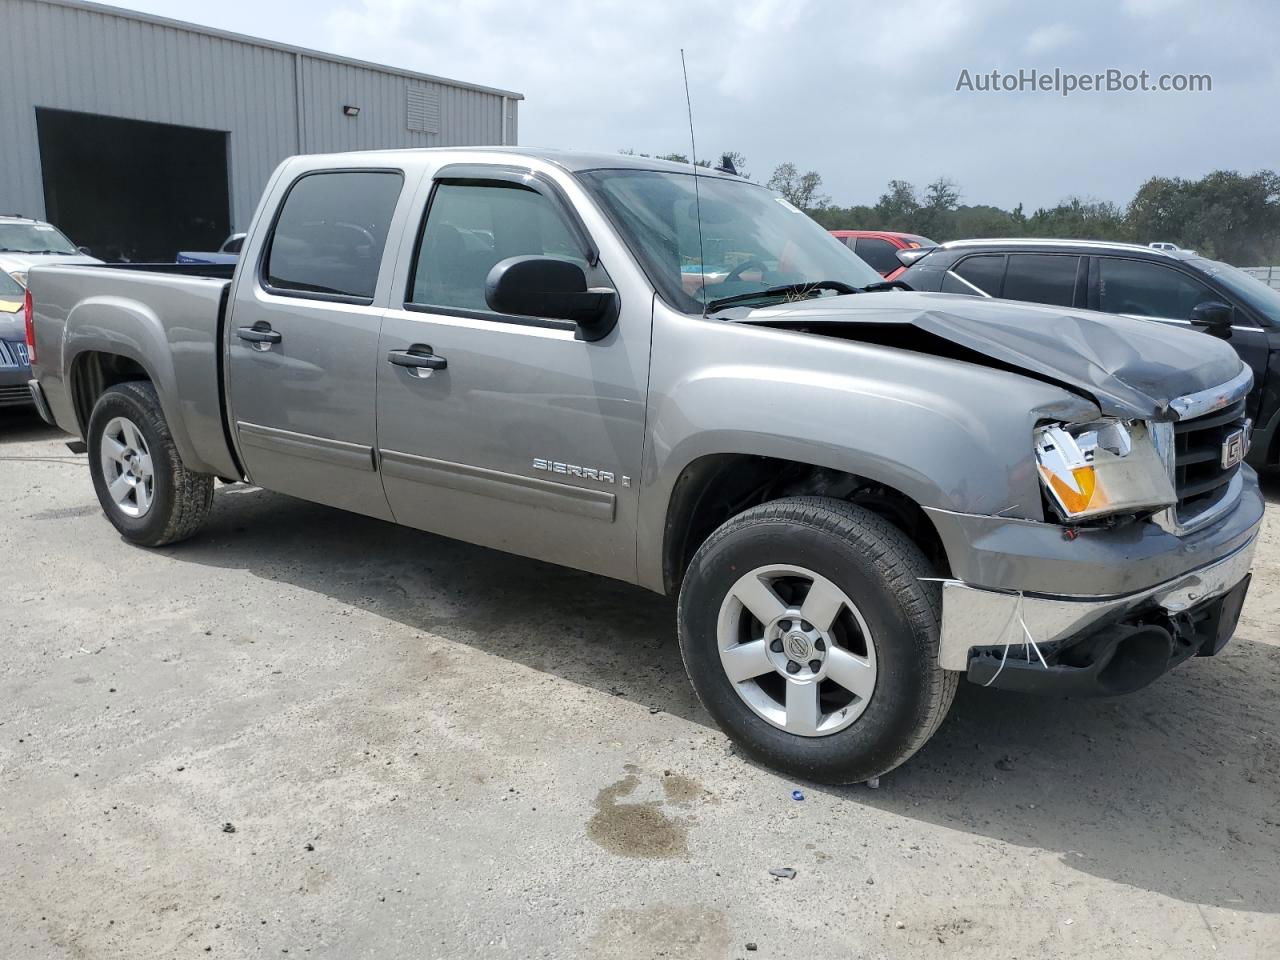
x: 1079, y: 219
x: 1223, y: 214
x: 982, y: 220
x: 897, y: 206
x: 798, y: 188
x: 934, y: 216
x: 845, y: 218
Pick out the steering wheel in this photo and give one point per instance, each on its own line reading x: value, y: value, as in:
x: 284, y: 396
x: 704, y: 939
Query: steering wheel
x: 737, y: 272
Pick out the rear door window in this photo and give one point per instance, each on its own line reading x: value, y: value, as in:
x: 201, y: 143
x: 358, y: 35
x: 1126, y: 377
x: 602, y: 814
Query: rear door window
x: 1041, y: 278
x: 328, y: 238
x: 880, y: 255
x: 984, y: 271
x: 1144, y: 289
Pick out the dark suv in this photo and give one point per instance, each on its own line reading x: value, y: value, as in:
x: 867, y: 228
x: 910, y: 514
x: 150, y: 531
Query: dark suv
x: 1168, y: 286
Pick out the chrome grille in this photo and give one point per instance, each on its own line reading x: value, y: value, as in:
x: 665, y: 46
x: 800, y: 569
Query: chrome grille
x: 1199, y: 477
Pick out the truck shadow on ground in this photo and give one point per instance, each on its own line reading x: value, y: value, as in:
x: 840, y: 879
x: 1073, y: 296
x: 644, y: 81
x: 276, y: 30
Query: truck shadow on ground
x: 1171, y: 790
x: 23, y: 425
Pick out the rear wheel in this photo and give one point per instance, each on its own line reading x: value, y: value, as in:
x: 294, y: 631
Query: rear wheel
x: 810, y: 632
x: 145, y: 490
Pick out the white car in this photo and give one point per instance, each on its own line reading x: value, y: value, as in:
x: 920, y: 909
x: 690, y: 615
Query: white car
x: 24, y: 242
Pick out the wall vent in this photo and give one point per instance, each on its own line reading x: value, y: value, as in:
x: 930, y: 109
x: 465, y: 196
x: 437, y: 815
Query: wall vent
x: 423, y: 110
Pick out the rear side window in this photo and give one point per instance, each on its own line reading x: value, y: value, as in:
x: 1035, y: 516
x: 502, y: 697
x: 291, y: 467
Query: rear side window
x: 881, y: 255
x: 1041, y: 278
x: 985, y: 271
x: 1144, y: 289
x: 328, y: 239
x: 471, y: 227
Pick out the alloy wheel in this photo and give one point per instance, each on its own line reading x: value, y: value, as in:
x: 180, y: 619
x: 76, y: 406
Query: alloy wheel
x: 127, y: 467
x: 797, y: 650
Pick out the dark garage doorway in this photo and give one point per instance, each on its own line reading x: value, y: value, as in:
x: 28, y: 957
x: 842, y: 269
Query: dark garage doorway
x: 134, y: 190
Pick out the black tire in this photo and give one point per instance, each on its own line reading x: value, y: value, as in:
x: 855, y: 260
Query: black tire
x: 880, y: 570
x: 181, y: 499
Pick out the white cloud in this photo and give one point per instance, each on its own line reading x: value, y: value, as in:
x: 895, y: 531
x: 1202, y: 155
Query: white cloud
x: 1050, y: 38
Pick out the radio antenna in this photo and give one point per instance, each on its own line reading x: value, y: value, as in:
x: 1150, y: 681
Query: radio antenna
x: 697, y: 197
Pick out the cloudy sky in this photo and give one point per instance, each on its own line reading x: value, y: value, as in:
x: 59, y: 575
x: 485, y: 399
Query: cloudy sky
x: 861, y: 92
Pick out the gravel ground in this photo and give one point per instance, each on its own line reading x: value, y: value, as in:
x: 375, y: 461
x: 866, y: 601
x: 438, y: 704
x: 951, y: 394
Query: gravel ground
x: 311, y: 733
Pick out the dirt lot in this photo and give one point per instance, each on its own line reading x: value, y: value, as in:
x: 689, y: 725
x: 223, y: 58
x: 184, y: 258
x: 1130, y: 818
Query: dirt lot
x: 311, y: 733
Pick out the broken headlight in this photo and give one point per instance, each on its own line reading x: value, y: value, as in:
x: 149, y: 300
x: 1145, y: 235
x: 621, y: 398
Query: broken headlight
x: 1102, y: 468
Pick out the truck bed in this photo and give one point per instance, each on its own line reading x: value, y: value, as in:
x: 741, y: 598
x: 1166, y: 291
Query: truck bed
x: 165, y: 318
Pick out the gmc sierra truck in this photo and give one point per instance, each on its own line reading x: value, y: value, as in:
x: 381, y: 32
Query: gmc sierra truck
x: 675, y: 378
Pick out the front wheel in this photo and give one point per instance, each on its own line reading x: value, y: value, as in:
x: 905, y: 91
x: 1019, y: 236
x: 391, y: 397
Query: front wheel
x: 144, y: 488
x: 810, y: 633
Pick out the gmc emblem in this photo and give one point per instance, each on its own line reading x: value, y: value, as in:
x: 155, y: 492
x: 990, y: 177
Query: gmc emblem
x: 1233, y: 448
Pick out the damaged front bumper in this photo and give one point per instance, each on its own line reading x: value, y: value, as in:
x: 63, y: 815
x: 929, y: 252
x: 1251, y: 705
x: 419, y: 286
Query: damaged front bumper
x: 1104, y: 612
x: 1092, y: 646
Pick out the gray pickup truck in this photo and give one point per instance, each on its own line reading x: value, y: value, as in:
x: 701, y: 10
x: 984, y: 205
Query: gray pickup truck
x: 859, y: 493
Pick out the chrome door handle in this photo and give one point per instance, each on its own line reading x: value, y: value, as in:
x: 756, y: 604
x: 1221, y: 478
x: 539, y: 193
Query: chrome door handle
x: 417, y: 357
x: 259, y: 333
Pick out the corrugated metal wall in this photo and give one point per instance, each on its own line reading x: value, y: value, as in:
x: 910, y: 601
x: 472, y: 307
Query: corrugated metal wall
x: 73, y: 57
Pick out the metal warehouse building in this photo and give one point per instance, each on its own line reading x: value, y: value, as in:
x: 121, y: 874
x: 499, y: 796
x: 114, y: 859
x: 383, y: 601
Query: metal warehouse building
x: 140, y: 136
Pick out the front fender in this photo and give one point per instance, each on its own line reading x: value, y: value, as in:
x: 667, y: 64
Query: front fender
x: 948, y: 434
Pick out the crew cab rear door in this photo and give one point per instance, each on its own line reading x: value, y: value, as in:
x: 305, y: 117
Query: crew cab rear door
x: 521, y: 435
x: 302, y: 340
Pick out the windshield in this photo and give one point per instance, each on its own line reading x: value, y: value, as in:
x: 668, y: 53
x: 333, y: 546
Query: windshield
x: 1250, y: 289
x: 33, y: 238
x: 751, y: 238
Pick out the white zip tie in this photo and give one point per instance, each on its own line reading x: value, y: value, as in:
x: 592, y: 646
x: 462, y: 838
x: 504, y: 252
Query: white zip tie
x: 1028, y: 644
x: 1034, y: 646
x: 1004, y: 632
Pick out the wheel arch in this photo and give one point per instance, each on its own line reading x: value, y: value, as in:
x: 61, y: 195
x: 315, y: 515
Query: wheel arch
x: 112, y: 340
x: 713, y: 488
x: 95, y: 367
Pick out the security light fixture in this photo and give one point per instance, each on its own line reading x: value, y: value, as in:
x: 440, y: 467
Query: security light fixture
x: 351, y: 111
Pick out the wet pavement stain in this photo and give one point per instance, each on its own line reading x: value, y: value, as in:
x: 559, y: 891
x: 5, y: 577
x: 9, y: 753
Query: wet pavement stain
x: 681, y: 790
x: 636, y: 829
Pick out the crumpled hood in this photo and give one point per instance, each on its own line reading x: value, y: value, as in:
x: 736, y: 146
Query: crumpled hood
x: 1131, y: 368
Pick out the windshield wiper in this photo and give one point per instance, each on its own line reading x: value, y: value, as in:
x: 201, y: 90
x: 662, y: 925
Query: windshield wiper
x: 887, y: 285
x: 786, y: 290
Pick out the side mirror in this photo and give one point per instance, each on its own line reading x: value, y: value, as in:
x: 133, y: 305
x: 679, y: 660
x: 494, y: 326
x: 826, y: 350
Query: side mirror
x: 1214, y: 317
x: 552, y: 289
x: 85, y: 251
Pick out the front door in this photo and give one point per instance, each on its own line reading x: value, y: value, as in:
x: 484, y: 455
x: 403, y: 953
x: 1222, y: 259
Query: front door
x: 303, y: 340
x: 519, y: 435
